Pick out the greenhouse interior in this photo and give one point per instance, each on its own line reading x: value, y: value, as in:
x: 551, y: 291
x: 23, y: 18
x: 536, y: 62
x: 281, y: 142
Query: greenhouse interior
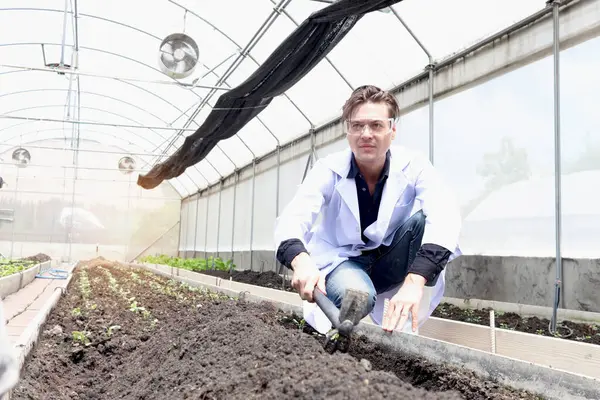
x: 152, y: 152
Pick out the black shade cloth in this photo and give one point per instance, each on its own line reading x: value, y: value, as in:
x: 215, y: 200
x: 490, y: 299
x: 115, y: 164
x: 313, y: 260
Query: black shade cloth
x: 300, y: 52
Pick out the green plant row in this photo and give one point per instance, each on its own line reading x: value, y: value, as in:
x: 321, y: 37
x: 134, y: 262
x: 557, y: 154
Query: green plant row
x: 9, y: 267
x: 191, y: 264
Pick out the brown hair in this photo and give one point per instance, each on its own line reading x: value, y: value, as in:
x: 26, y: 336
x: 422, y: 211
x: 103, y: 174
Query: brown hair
x: 370, y: 94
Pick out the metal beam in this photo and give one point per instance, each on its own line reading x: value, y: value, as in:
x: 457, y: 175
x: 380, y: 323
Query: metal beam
x: 104, y: 96
x: 68, y: 71
x: 131, y: 153
x: 555, y: 4
x: 163, y: 128
x: 431, y: 71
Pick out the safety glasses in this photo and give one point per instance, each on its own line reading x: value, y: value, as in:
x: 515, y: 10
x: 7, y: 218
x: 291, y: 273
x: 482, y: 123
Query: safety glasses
x: 376, y: 126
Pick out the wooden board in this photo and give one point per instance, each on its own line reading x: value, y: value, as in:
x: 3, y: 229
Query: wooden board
x: 567, y: 355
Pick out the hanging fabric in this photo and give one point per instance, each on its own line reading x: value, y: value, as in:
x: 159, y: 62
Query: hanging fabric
x: 299, y: 53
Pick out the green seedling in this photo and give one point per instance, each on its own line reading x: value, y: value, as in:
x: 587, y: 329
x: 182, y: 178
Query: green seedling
x: 112, y: 329
x: 135, y: 308
x: 81, y: 337
x: 76, y: 312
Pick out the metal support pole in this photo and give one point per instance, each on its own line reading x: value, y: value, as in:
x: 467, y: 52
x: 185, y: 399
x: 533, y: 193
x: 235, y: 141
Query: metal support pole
x: 184, y: 228
x: 196, y: 225
x: 235, y: 183
x: 218, y: 221
x: 431, y: 68
x: 206, y: 230
x: 557, y: 166
x: 178, y: 236
x: 277, y: 208
x: 312, y: 156
x: 252, y: 210
x: 15, y: 219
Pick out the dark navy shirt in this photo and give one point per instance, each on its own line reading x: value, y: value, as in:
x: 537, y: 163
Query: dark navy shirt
x: 368, y: 204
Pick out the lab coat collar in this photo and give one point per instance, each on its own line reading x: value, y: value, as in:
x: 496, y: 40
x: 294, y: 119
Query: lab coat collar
x: 341, y: 163
x: 354, y: 170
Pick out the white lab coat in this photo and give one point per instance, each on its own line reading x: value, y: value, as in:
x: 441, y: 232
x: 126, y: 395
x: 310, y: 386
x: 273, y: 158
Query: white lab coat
x: 413, y: 184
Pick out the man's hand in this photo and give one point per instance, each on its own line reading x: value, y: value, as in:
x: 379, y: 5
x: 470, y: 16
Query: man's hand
x: 406, y: 300
x: 306, y: 277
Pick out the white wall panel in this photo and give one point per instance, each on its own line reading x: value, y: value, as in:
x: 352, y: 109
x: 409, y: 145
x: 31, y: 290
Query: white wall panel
x: 201, y: 225
x: 290, y: 177
x: 243, y: 202
x: 264, y: 210
x: 183, y: 226
x: 226, y: 219
x: 213, y: 215
x: 191, y: 225
x: 332, y: 147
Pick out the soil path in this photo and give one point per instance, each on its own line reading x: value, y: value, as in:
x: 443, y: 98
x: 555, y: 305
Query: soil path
x: 128, y: 334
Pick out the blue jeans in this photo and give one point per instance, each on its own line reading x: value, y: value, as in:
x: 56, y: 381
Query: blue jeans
x: 381, y: 269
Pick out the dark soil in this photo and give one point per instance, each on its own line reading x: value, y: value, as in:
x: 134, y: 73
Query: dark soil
x: 268, y: 279
x: 421, y: 373
x: 580, y: 332
x: 129, y: 334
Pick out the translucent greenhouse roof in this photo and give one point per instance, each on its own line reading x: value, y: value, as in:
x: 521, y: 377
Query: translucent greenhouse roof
x: 117, y: 95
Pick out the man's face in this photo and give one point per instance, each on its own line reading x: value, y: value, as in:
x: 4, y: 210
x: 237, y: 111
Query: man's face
x: 370, y: 132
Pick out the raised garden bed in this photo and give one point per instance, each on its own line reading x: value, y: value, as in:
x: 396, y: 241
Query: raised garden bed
x: 126, y: 333
x: 268, y: 279
x: 580, y: 332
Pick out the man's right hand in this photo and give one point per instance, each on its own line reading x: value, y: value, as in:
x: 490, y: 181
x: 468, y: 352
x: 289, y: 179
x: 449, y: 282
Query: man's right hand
x: 306, y: 277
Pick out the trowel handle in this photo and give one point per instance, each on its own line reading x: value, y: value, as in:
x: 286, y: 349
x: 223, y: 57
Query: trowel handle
x: 327, y: 306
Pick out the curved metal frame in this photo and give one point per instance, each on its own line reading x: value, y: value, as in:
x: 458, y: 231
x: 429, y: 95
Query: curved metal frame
x: 28, y: 142
x: 158, y: 38
x: 98, y: 110
x: 92, y: 140
x: 142, y: 63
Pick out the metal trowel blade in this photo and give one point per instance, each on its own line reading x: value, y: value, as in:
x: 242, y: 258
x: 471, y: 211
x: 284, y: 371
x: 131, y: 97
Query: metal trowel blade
x: 354, y: 306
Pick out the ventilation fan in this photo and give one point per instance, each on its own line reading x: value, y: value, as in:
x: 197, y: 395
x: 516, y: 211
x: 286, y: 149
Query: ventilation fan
x: 21, y: 157
x: 178, y: 55
x: 126, y: 165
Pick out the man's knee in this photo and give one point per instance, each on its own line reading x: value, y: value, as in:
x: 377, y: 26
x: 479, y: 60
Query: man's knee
x: 344, y: 280
x: 416, y: 222
x: 371, y: 296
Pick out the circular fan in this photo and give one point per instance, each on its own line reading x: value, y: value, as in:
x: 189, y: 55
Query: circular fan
x: 21, y: 157
x: 126, y: 165
x: 178, y: 55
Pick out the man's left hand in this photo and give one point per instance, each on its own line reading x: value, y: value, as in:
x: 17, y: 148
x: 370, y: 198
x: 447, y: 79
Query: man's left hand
x: 406, y: 300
